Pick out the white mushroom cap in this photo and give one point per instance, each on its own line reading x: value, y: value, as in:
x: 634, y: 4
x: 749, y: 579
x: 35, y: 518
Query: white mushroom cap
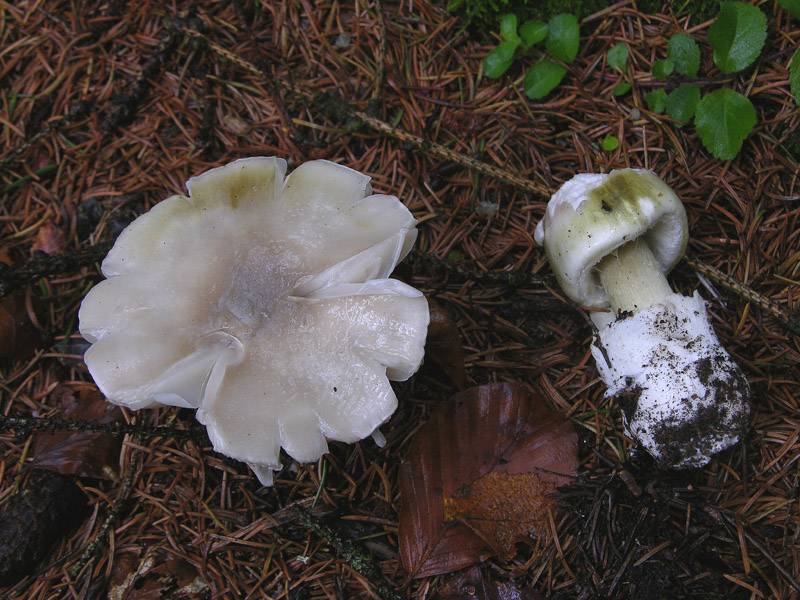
x: 591, y: 215
x: 265, y: 303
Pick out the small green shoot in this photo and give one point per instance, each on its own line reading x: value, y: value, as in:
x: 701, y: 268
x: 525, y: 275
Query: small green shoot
x: 542, y: 78
x: 532, y: 32
x: 499, y: 59
x: 737, y: 36
x: 682, y: 102
x: 663, y: 68
x: 794, y: 77
x: 617, y: 57
x: 563, y: 37
x: 793, y: 6
x: 610, y: 143
x: 724, y: 119
x: 683, y: 52
x: 657, y: 100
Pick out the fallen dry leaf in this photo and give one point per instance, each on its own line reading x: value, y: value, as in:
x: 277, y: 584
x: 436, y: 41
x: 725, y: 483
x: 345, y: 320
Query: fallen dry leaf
x: 443, y: 345
x: 159, y: 575
x: 81, y: 453
x: 493, y: 439
x: 50, y: 239
x: 18, y: 335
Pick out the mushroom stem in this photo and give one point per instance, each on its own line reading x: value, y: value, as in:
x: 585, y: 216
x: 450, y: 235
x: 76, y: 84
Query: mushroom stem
x: 633, y: 278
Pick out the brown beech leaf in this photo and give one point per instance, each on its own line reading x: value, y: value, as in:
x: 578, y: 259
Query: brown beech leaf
x: 81, y: 453
x: 443, y: 346
x: 493, y: 439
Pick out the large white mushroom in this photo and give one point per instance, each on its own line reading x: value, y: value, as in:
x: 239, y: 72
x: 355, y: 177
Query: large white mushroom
x: 610, y: 240
x: 265, y: 302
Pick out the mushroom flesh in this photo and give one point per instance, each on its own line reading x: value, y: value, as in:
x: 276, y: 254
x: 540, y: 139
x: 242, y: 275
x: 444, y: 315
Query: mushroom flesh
x: 265, y: 303
x: 610, y: 240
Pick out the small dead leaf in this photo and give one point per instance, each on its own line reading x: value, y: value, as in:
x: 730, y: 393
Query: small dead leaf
x: 50, y: 239
x: 83, y: 454
x: 463, y: 123
x: 443, y: 345
x: 235, y: 124
x: 499, y: 429
x: 472, y: 584
x: 18, y: 335
x: 159, y: 575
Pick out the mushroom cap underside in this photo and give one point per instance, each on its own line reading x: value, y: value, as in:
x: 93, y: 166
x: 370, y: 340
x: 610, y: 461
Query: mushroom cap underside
x: 266, y: 303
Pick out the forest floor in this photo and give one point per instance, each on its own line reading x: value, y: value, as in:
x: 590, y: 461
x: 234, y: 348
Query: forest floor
x: 107, y: 108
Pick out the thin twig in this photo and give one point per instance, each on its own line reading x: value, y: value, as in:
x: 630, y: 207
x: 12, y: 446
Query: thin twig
x: 28, y: 424
x: 790, y: 320
x: 14, y: 277
x: 349, y: 553
x: 112, y: 516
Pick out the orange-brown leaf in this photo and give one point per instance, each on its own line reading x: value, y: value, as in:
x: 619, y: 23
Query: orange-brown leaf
x: 497, y: 428
x: 503, y: 509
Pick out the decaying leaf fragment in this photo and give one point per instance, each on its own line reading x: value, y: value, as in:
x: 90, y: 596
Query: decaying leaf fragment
x: 158, y: 575
x: 84, y: 453
x: 443, y: 345
x: 490, y: 440
x: 502, y: 508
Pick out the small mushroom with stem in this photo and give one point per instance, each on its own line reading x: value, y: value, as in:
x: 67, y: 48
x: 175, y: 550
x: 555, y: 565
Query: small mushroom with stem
x: 265, y: 303
x: 610, y: 240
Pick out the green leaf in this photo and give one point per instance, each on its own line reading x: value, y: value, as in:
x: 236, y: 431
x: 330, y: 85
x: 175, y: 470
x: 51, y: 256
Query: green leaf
x: 657, y: 101
x: 794, y: 77
x: 683, y: 51
x: 508, y: 28
x: 563, y: 37
x: 617, y: 56
x: 663, y: 68
x: 737, y: 36
x: 499, y: 59
x: 682, y: 102
x: 542, y: 78
x: 621, y: 88
x: 724, y: 119
x: 793, y: 6
x: 532, y: 32
x: 610, y: 143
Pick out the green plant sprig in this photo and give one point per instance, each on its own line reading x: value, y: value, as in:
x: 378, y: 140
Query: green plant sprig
x: 723, y: 118
x: 561, y: 37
